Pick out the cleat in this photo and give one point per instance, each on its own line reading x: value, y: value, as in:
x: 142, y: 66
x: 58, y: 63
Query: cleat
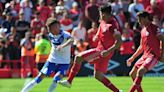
x: 65, y: 83
x: 120, y: 91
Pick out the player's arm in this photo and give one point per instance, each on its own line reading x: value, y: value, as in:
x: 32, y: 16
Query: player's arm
x: 68, y: 42
x: 161, y: 38
x: 117, y: 44
x: 135, y: 55
x: 95, y: 38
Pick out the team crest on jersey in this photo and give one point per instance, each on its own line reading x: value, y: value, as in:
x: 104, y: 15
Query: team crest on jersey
x: 57, y: 40
x: 105, y: 29
x: 147, y: 33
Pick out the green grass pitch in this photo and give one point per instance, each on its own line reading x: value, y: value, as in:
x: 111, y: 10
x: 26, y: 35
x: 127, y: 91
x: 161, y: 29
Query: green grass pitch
x: 85, y: 84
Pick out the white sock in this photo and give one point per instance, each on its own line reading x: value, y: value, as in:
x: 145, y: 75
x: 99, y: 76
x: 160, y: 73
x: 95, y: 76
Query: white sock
x: 29, y: 86
x: 52, y: 87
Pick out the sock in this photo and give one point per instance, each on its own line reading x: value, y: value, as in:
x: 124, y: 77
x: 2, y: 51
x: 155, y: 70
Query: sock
x: 74, y: 70
x: 29, y: 86
x: 38, y: 79
x: 56, y: 77
x: 136, y: 85
x: 139, y: 89
x: 52, y: 87
x: 109, y: 85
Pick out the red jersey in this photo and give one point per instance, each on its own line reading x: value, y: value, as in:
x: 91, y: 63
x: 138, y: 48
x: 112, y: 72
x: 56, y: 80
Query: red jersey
x: 91, y: 33
x: 106, y: 39
x: 150, y: 42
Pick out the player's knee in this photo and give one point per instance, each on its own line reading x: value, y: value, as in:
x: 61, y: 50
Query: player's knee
x: 78, y: 59
x: 141, y: 72
x: 96, y: 74
x: 131, y: 74
x: 57, y: 78
x: 39, y: 78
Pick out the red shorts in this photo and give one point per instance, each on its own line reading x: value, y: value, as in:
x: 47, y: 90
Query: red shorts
x: 147, y: 62
x: 93, y: 56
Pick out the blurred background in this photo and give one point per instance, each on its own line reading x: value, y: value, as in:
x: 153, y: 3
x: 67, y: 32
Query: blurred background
x: 22, y: 25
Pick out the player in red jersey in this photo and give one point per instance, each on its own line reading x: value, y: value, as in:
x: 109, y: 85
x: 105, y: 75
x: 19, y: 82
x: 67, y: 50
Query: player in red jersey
x: 109, y: 36
x: 150, y: 47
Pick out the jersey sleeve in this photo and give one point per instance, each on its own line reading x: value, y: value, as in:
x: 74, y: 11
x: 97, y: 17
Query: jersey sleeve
x: 67, y: 35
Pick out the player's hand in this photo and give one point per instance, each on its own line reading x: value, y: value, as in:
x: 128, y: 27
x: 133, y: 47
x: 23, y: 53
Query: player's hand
x: 95, y: 38
x: 58, y: 48
x: 105, y: 53
x: 128, y: 64
x: 129, y: 61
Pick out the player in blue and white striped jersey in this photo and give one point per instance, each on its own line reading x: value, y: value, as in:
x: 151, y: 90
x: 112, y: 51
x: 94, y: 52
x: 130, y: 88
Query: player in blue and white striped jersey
x: 59, y: 58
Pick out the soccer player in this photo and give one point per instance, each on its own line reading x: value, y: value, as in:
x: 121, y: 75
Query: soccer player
x: 59, y: 58
x: 109, y: 36
x: 150, y: 47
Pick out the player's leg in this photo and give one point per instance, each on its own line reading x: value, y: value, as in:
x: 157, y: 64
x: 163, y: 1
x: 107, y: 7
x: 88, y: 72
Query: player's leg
x: 73, y: 71
x: 61, y: 71
x: 56, y: 78
x: 84, y: 56
x: 100, y: 68
x: 75, y: 68
x: 46, y: 70
x: 34, y: 82
x: 137, y: 82
x: 145, y: 64
x: 133, y: 74
x: 100, y: 77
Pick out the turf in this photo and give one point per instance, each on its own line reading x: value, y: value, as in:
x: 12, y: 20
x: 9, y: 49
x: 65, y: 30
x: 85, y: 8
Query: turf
x: 85, y: 84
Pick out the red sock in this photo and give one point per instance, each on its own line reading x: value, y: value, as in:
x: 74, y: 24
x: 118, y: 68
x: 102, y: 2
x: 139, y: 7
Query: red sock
x: 74, y: 70
x: 136, y: 85
x: 139, y: 89
x: 109, y: 85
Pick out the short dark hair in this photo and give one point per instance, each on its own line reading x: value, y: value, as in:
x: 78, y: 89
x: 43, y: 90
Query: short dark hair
x: 106, y: 8
x: 51, y: 21
x: 143, y: 14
